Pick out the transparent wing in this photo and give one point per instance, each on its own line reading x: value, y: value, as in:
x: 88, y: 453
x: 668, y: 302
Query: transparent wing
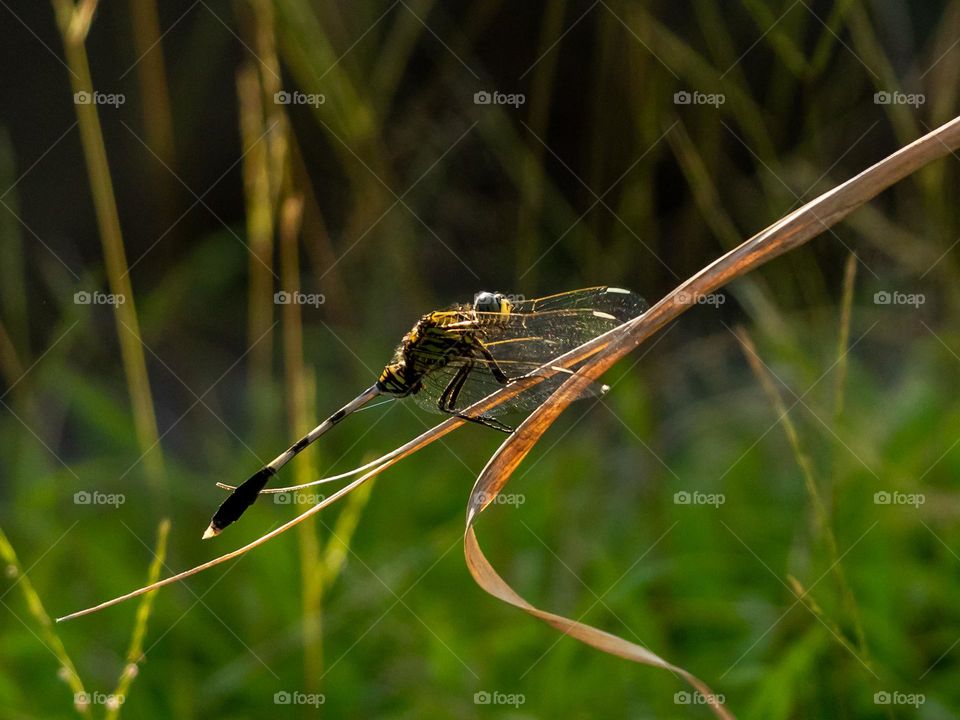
x: 539, y: 330
x: 535, y: 332
x: 621, y: 303
x: 476, y: 381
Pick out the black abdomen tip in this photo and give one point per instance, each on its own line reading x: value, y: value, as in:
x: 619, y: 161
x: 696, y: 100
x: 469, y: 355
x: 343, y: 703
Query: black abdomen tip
x: 240, y: 499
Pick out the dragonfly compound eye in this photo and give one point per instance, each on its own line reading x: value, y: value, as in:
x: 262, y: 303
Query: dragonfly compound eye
x: 491, y: 302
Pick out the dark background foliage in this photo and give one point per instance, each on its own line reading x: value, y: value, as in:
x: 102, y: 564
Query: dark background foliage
x: 416, y: 197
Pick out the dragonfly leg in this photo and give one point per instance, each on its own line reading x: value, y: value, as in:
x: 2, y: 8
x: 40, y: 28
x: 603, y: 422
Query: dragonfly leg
x: 486, y: 421
x: 448, y: 398
x: 498, y: 374
x: 448, y: 401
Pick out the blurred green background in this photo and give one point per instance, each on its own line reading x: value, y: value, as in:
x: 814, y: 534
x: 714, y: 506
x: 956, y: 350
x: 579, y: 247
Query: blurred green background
x: 385, y: 187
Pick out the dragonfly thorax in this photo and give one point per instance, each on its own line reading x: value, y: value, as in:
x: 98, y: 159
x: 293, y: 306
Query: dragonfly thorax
x: 438, y: 338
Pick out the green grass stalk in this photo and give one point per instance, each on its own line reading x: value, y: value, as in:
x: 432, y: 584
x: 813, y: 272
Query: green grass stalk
x: 820, y: 511
x: 48, y: 636
x: 74, y: 23
x: 135, y: 650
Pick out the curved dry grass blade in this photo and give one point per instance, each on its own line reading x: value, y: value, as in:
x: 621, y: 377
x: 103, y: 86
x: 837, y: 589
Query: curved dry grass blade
x: 492, y: 479
x: 606, y: 349
x: 424, y: 439
x: 323, y: 480
x: 489, y: 580
x: 788, y: 233
x: 314, y: 483
x: 377, y: 466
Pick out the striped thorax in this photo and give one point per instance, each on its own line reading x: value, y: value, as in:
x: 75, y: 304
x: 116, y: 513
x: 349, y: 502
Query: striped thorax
x: 437, y: 338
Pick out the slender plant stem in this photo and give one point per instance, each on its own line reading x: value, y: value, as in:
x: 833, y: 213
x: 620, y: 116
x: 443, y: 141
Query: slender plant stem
x: 821, y: 512
x: 74, y: 22
x: 260, y: 214
x: 135, y: 650
x: 155, y: 97
x: 843, y: 340
x: 48, y: 633
x: 299, y: 422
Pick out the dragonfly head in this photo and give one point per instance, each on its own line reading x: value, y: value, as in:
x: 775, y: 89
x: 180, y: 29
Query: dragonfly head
x: 492, y: 302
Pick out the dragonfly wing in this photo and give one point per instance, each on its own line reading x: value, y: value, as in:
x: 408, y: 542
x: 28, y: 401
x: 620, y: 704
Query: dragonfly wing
x: 618, y: 301
x: 482, y: 382
x: 542, y: 329
x: 534, y: 333
x: 622, y: 304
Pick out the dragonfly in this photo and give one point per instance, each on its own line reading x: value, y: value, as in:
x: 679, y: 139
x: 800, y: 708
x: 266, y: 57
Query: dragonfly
x: 453, y: 358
